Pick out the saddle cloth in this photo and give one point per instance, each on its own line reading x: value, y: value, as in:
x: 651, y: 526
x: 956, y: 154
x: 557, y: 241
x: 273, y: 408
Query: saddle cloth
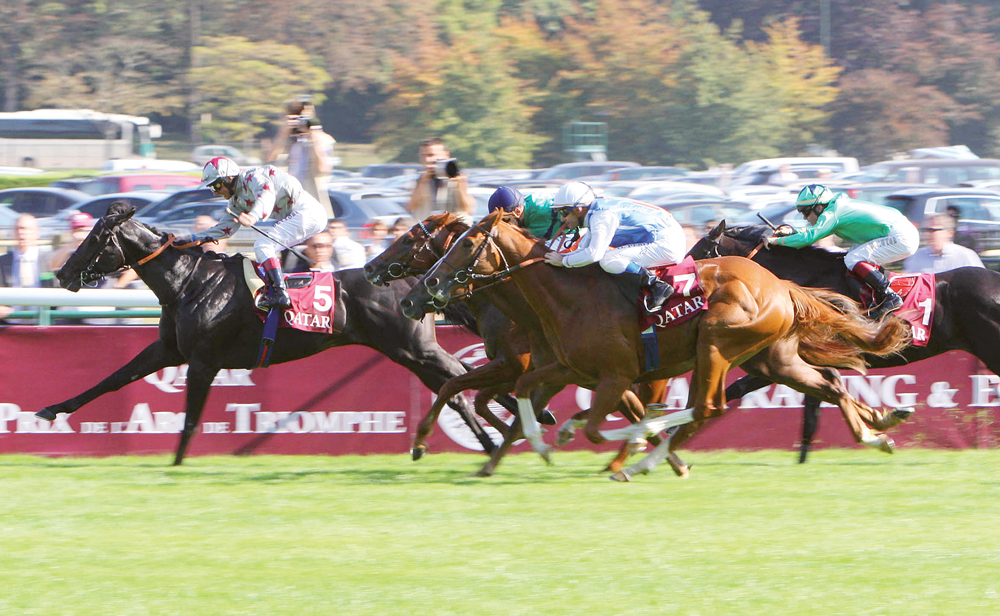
x: 919, y: 292
x: 313, y: 298
x: 688, y: 300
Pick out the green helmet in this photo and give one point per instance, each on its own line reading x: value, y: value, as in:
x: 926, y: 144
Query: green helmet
x: 811, y: 196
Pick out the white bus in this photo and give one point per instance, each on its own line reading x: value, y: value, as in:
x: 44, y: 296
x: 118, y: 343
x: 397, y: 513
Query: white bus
x: 73, y: 138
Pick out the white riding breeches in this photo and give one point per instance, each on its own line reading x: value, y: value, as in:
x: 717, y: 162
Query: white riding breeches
x: 899, y: 244
x: 300, y: 225
x: 668, y: 249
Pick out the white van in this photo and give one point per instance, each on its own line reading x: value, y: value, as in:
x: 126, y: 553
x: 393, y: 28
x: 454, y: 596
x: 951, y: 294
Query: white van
x: 805, y: 167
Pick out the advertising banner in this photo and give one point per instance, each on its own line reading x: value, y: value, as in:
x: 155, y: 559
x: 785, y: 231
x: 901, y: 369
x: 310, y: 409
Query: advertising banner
x: 353, y: 400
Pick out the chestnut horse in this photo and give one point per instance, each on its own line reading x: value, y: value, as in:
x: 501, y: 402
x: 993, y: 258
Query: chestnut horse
x: 771, y: 327
x: 509, y: 346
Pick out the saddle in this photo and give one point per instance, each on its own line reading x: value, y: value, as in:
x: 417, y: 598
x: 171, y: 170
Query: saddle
x: 919, y: 293
x: 313, y: 298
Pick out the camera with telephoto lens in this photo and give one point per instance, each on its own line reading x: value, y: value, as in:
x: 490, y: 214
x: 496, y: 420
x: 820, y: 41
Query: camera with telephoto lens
x: 446, y: 169
x: 301, y: 124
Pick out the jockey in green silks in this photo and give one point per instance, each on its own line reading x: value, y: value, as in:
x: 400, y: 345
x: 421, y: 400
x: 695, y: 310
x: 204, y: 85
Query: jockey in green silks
x: 882, y: 235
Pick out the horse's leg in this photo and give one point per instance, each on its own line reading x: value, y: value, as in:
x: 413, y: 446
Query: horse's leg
x: 810, y: 424
x: 552, y: 375
x: 481, y: 404
x: 782, y: 364
x: 493, y: 373
x: 434, y: 367
x: 155, y: 357
x: 199, y: 383
x: 513, y: 434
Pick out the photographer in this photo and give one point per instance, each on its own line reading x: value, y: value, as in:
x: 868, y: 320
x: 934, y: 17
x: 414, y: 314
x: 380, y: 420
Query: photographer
x: 309, y: 149
x: 441, y: 187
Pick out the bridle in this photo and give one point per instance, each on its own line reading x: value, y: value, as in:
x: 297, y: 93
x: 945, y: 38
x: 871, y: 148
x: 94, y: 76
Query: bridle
x: 397, y: 270
x: 90, y: 276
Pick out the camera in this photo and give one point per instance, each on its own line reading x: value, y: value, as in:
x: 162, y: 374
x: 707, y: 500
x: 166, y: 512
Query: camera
x: 446, y: 169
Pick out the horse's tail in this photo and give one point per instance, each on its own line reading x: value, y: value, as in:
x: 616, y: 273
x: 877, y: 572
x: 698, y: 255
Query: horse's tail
x: 833, y: 332
x: 459, y: 313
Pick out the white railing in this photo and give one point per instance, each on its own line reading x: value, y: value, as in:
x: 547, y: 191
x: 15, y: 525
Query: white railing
x: 44, y: 299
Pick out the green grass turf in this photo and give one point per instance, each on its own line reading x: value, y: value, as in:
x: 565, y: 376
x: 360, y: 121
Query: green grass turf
x: 851, y: 532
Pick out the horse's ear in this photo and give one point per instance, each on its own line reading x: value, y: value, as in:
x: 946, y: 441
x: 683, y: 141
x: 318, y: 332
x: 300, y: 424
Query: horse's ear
x: 718, y: 230
x: 120, y: 211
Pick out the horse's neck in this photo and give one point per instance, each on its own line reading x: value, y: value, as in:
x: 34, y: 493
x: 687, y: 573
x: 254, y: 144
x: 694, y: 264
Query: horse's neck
x: 509, y: 299
x: 166, y: 273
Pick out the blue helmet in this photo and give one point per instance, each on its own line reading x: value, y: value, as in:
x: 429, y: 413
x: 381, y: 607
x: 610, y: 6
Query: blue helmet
x: 505, y: 198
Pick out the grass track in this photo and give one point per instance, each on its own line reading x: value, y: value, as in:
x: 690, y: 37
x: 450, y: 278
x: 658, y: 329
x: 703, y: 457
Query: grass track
x: 852, y: 532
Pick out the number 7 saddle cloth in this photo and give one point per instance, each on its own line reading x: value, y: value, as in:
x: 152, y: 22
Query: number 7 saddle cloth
x: 313, y: 296
x: 687, y: 302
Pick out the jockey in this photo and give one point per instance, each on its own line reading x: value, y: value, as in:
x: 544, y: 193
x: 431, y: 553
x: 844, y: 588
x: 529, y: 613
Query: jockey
x: 882, y: 233
x: 642, y: 236
x: 256, y: 194
x: 533, y: 213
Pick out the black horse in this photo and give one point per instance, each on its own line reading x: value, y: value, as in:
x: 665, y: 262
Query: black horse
x: 209, y: 322
x: 966, y: 314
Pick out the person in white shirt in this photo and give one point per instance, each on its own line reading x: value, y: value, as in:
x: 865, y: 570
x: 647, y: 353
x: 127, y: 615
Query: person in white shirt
x: 347, y: 254
x: 319, y: 248
x: 939, y: 253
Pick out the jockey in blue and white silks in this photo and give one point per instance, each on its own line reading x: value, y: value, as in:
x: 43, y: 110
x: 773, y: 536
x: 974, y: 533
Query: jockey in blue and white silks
x: 624, y: 237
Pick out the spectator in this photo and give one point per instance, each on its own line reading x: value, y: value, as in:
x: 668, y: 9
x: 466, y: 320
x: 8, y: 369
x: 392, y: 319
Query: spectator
x: 379, y: 241
x: 319, y: 248
x: 939, y: 253
x: 347, y: 254
x: 80, y: 225
x: 310, y: 149
x: 783, y: 176
x: 22, y: 267
x: 441, y: 187
x: 961, y: 237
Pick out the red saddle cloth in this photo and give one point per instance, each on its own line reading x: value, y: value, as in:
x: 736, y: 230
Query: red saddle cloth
x: 313, y: 301
x: 919, y: 292
x: 687, y: 301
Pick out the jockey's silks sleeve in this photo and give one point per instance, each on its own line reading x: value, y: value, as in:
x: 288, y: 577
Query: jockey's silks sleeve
x: 602, y: 226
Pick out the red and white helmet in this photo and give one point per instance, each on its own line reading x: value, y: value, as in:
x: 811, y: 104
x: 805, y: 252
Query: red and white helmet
x: 219, y: 167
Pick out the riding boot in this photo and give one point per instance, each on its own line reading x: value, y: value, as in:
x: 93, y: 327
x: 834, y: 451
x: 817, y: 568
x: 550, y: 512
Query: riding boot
x: 659, y: 291
x: 886, y: 300
x: 277, y: 294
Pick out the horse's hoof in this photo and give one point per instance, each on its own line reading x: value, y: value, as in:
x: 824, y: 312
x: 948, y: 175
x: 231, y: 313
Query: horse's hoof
x: 887, y: 444
x: 563, y: 437
x: 47, y: 414
x: 418, y: 452
x: 904, y: 413
x: 483, y: 472
x: 621, y: 476
x: 546, y: 418
x: 636, y: 445
x: 677, y: 465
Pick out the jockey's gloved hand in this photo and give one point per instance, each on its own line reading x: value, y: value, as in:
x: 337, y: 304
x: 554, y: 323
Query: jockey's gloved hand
x: 554, y: 258
x: 181, y: 240
x: 784, y: 230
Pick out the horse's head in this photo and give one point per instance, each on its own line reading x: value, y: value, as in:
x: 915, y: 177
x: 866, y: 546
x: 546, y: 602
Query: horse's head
x: 474, y: 254
x: 708, y: 246
x: 733, y: 241
x: 414, y: 253
x: 100, y: 253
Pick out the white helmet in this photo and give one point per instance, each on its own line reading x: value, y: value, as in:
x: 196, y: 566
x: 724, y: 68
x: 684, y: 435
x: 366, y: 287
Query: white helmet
x: 573, y: 194
x: 219, y: 167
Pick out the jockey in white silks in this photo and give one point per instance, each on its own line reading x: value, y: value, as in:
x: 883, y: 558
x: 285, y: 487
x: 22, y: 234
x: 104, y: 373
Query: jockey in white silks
x: 256, y: 194
x: 624, y: 236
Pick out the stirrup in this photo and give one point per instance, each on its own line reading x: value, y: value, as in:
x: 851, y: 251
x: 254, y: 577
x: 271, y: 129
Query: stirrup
x: 276, y: 299
x: 891, y: 303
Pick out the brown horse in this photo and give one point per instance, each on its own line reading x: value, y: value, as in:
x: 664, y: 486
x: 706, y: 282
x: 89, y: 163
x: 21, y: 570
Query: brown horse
x: 771, y: 327
x: 511, y: 347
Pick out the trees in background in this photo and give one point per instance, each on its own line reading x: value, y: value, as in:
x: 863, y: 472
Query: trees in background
x: 678, y: 81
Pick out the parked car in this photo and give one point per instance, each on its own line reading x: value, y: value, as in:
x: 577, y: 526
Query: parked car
x: 204, y: 153
x: 700, y: 213
x: 650, y: 191
x: 356, y: 209
x: 806, y: 167
x: 181, y: 219
x: 572, y: 171
x: 139, y: 181
x: 96, y: 207
x: 939, y: 172
x: 879, y: 192
x: 41, y: 201
x: 8, y: 218
x: 628, y: 174
x: 388, y: 170
x: 122, y: 165
x: 151, y: 211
